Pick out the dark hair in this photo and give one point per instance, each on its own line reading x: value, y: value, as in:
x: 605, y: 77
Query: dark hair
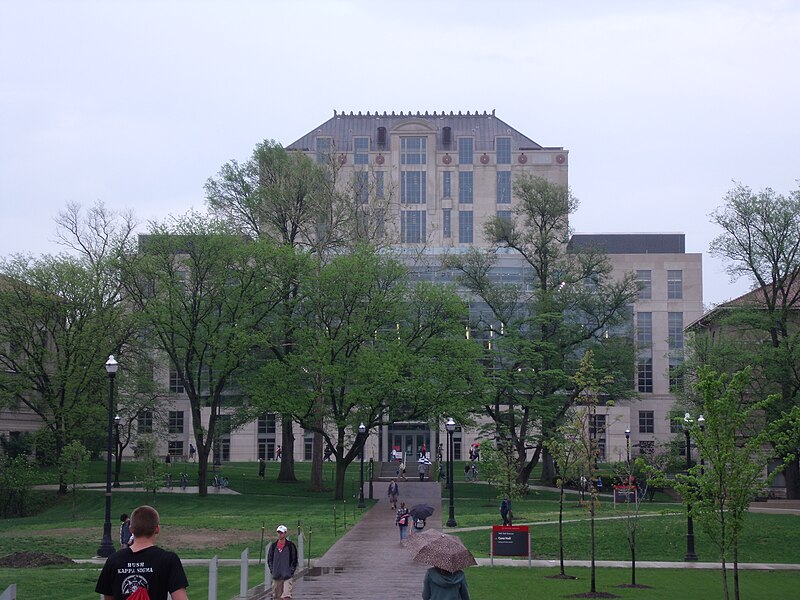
x: 144, y: 521
x: 123, y: 517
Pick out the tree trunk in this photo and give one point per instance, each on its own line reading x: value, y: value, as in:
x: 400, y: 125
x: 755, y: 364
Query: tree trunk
x: 317, y: 478
x: 341, y: 471
x: 593, y: 500
x: 202, y: 468
x: 791, y: 475
x: 548, y: 468
x: 736, y: 571
x: 561, y: 529
x: 287, y: 450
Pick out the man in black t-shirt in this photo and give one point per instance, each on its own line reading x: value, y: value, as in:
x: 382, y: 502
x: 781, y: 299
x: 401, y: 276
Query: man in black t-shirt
x: 143, y: 564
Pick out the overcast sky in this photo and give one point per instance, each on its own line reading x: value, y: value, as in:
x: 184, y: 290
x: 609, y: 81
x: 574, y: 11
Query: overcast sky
x: 660, y: 104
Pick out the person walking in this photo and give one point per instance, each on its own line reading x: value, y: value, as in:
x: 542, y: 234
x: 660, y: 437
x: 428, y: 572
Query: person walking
x: 394, y: 492
x: 143, y: 564
x: 466, y: 472
x: 421, y: 468
x: 282, y: 562
x: 262, y: 468
x: 444, y: 585
x: 505, y: 511
x: 124, y: 531
x: 402, y: 519
x: 401, y: 470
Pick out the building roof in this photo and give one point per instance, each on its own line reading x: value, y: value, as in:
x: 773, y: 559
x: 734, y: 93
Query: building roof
x: 484, y: 127
x: 630, y: 243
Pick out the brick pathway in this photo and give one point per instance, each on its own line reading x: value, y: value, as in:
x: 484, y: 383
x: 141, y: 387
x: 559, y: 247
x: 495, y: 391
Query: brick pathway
x: 369, y: 562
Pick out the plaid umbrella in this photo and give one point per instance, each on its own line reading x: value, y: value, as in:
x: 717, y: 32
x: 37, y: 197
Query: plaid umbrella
x: 439, y: 550
x: 421, y: 511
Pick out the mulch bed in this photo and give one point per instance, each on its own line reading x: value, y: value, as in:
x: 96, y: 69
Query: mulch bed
x: 33, y: 559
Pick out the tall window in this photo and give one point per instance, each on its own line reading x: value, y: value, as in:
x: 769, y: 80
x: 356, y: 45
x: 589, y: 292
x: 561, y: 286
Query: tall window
x: 175, y: 383
x: 144, y: 424
x: 412, y: 187
x: 504, y: 187
x: 379, y: 184
x: 597, y: 432
x: 361, y: 151
x: 324, y: 146
x: 465, y: 187
x: 361, y: 187
x: 504, y: 214
x: 645, y: 279
x: 644, y: 374
x: 175, y: 448
x: 674, y: 285
x: 675, y: 373
x: 447, y: 184
x: 446, y: 225
x: 465, y: 227
x: 646, y: 421
x: 413, y: 150
x: 412, y: 226
x: 503, y: 149
x: 644, y: 329
x: 176, y: 421
x: 266, y: 423
x: 465, y: 151
x: 675, y: 330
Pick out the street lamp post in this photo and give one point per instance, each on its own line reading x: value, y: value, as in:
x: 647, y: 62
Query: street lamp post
x: 106, y: 545
x: 361, y: 431
x: 701, y: 421
x: 451, y: 427
x: 690, y: 553
x: 117, y: 457
x: 628, y: 447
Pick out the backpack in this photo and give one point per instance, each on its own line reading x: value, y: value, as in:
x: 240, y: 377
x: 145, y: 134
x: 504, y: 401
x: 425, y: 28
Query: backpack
x: 139, y: 594
x: 403, y: 520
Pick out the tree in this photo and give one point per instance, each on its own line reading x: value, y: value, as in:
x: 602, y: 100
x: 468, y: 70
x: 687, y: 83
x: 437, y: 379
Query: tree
x: 202, y: 292
x: 296, y: 203
x: 72, y: 467
x: 369, y: 344
x: 760, y: 241
x: 535, y: 335
x: 16, y: 480
x: 566, y: 451
x: 735, y: 447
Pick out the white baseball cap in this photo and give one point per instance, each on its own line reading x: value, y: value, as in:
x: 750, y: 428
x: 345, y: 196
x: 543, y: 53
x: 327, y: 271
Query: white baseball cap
x: 282, y: 528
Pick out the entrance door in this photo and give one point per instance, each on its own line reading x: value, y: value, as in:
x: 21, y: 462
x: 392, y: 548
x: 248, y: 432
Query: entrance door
x: 410, y: 443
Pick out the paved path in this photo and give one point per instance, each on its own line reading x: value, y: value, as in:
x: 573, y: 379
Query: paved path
x: 370, y: 558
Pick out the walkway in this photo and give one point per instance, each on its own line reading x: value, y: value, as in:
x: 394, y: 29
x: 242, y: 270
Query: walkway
x: 370, y: 556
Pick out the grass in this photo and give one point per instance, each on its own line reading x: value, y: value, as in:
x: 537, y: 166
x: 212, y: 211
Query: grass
x: 226, y: 524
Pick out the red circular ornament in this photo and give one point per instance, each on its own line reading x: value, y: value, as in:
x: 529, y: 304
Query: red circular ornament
x: 561, y: 159
x: 447, y: 159
x: 485, y: 159
x: 379, y: 159
x: 342, y: 159
x: 522, y: 159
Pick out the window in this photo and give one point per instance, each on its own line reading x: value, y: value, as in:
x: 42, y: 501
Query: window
x: 446, y: 226
x: 175, y: 448
x: 465, y: 227
x: 465, y: 187
x: 379, y: 184
x: 645, y: 279
x: 223, y: 426
x: 644, y: 330
x: 222, y: 451
x: 676, y: 423
x: 308, y: 445
x: 503, y: 149
x: 175, y: 383
x: 412, y: 187
x: 446, y: 184
x: 175, y: 421
x: 504, y: 214
x: 675, y: 330
x: 597, y: 433
x: 644, y: 374
x: 465, y: 150
x: 675, y: 374
x: 674, y: 285
x: 361, y: 187
x: 647, y: 447
x: 144, y: 423
x: 412, y: 226
x: 646, y: 421
x: 266, y: 423
x: 361, y: 151
x: 413, y: 150
x: 504, y: 187
x: 324, y: 146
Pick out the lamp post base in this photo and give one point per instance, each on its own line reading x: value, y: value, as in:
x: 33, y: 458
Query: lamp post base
x: 690, y: 557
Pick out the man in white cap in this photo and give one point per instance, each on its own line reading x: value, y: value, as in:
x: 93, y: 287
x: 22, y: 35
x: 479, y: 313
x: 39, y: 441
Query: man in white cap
x: 282, y: 561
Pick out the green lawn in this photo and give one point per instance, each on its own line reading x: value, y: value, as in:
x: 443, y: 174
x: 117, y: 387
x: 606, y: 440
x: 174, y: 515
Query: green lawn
x: 224, y: 525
